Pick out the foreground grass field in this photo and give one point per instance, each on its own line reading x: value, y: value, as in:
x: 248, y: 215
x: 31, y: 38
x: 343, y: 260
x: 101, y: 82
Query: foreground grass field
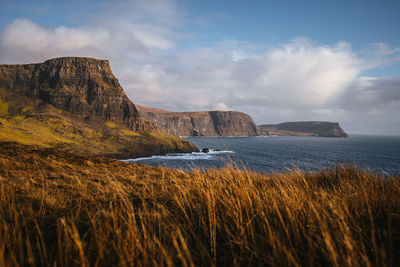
x: 63, y: 209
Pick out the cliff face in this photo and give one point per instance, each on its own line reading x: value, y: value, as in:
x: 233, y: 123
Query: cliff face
x: 84, y: 87
x: 204, y: 123
x: 78, y: 105
x: 305, y: 128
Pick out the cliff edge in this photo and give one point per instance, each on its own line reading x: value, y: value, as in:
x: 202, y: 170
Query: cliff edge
x: 85, y: 87
x: 202, y: 123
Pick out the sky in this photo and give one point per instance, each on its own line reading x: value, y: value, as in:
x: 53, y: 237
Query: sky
x: 275, y: 60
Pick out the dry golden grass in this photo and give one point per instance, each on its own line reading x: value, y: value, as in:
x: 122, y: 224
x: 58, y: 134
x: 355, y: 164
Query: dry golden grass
x: 61, y: 209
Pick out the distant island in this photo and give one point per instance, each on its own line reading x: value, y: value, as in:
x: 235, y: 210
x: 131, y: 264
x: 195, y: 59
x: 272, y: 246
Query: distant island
x: 202, y: 123
x: 304, y: 128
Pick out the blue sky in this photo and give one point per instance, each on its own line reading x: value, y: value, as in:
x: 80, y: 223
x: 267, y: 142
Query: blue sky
x: 276, y: 60
x: 266, y: 22
x: 358, y: 22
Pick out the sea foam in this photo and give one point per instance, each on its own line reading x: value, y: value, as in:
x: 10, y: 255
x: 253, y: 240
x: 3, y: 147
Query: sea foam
x: 184, y: 156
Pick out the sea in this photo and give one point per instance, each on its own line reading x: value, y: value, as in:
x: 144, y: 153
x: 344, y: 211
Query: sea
x: 267, y: 154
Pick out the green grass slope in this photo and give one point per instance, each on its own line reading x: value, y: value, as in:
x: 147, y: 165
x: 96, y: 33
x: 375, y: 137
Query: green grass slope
x: 28, y: 121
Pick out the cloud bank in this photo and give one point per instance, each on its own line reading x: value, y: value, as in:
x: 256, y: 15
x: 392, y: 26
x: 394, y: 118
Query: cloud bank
x: 298, y: 80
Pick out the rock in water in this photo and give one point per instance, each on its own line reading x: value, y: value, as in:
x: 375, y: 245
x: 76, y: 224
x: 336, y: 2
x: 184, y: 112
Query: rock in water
x: 205, y: 150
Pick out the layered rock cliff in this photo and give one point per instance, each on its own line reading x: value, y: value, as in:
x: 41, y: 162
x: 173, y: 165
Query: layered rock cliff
x: 204, y: 123
x: 305, y: 128
x: 77, y: 104
x: 85, y: 87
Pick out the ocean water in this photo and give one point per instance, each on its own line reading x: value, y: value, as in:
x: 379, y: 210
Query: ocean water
x: 380, y: 154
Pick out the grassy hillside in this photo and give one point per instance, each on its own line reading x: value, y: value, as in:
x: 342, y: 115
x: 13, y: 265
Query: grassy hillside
x: 34, y: 122
x: 63, y: 209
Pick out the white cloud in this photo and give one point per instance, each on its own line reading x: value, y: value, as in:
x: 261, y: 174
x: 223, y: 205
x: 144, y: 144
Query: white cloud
x: 374, y: 95
x: 298, y: 75
x: 304, y: 74
x: 24, y: 40
x: 221, y: 106
x: 383, y: 49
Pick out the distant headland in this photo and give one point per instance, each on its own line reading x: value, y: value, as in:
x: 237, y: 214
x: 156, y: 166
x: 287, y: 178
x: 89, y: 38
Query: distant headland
x: 304, y: 128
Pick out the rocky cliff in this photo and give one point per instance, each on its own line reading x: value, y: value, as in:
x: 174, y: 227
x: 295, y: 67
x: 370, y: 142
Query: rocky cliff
x: 305, y: 128
x: 77, y: 104
x: 204, y: 123
x: 84, y: 87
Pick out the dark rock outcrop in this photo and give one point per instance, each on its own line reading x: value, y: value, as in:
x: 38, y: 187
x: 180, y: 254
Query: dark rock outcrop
x: 84, y: 87
x: 305, y: 128
x: 205, y: 150
x: 203, y: 123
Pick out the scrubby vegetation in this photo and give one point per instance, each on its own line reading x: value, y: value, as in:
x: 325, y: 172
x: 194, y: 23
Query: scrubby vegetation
x: 64, y: 209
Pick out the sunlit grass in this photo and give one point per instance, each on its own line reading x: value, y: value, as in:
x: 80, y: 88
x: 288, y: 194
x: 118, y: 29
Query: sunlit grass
x: 50, y: 130
x: 34, y: 122
x: 3, y: 107
x: 62, y: 209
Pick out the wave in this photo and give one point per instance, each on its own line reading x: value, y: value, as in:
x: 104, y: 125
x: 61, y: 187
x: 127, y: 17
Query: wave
x: 185, y: 156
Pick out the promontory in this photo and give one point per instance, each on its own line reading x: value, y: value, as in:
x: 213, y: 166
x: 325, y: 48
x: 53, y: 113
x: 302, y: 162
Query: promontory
x: 305, y: 128
x: 78, y: 105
